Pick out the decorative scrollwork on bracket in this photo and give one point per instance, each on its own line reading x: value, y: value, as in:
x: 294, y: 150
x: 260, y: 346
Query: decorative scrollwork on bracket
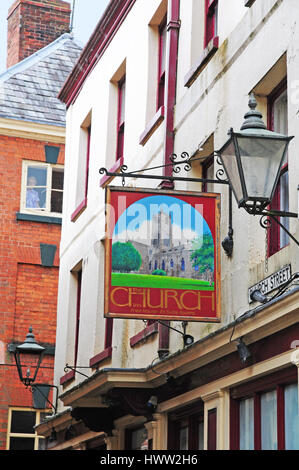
x: 220, y: 173
x: 265, y: 222
x: 123, y: 168
x: 185, y: 160
x: 103, y: 171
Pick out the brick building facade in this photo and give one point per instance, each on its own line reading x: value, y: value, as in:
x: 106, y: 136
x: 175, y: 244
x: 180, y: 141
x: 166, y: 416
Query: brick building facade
x: 32, y: 123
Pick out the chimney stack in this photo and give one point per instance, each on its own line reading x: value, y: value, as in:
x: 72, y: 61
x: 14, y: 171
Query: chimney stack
x: 33, y: 24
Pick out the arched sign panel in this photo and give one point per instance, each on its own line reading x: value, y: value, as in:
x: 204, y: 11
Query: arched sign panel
x: 162, y: 255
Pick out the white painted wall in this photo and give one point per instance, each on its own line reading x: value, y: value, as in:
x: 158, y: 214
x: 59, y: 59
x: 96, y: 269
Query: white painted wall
x: 251, y: 42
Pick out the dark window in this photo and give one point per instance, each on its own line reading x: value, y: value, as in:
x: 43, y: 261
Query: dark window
x: 23, y: 422
x: 186, y: 428
x: 278, y: 122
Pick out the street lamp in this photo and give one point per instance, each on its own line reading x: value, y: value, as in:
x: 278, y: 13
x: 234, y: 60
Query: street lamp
x: 252, y: 159
x: 28, y: 357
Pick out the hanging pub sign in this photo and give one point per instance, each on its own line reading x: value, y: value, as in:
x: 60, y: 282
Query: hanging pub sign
x: 162, y: 255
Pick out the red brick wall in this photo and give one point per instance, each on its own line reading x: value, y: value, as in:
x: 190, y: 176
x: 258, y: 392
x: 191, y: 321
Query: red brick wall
x: 28, y: 290
x: 33, y: 24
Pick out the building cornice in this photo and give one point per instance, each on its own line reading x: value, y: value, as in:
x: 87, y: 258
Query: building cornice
x: 32, y: 130
x: 111, y: 20
x: 254, y: 325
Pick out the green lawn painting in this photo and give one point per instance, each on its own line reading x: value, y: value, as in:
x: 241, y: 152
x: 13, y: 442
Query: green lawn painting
x: 162, y: 242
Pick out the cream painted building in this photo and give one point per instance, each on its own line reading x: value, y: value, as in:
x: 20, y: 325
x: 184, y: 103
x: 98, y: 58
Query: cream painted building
x: 157, y: 78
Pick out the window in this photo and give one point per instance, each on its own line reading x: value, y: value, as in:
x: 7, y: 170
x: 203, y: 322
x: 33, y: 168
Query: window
x: 266, y: 416
x: 187, y: 428
x: 83, y: 168
x: 278, y: 121
x: 161, y: 67
x: 121, y: 118
x: 211, y: 16
x: 42, y: 188
x: 78, y: 306
x: 21, y: 434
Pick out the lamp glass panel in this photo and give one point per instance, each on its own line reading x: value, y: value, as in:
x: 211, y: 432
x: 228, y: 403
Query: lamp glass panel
x: 261, y: 160
x: 228, y: 157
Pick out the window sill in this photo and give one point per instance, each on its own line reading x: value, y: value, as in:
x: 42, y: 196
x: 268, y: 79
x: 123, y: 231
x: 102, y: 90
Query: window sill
x: 106, y: 179
x: 206, y: 56
x: 152, y: 126
x: 79, y: 210
x: 98, y: 358
x: 67, y: 377
x: 46, y: 219
x: 144, y: 334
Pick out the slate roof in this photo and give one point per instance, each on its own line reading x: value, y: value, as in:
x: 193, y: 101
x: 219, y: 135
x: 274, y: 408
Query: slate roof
x: 29, y: 89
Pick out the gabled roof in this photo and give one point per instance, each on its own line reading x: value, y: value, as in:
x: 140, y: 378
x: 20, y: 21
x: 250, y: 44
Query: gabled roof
x: 29, y: 89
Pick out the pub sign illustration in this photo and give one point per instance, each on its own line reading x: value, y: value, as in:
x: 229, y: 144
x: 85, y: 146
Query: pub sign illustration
x: 162, y: 255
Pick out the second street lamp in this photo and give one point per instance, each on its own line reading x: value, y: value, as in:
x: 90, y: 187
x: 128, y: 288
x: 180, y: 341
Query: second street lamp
x: 28, y: 357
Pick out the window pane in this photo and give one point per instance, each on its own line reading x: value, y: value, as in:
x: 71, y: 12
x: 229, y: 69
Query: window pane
x: 291, y: 417
x: 183, y: 439
x: 22, y: 422
x: 284, y: 206
x: 269, y: 420
x: 36, y: 187
x: 21, y: 443
x: 57, y: 179
x: 200, y: 435
x: 56, y: 201
x: 247, y: 424
x: 139, y: 436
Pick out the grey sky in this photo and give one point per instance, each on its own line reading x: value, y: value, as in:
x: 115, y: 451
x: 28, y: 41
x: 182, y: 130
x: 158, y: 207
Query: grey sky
x: 87, y: 14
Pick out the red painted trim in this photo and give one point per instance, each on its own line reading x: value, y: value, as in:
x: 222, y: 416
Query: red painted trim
x: 280, y: 418
x: 173, y: 26
x: 79, y: 210
x: 144, y: 334
x: 108, y: 332
x: 212, y: 429
x: 67, y: 377
x: 98, y: 358
x: 210, y: 20
x: 87, y: 161
x: 234, y: 425
x: 204, y: 59
x: 106, y: 179
x: 152, y: 126
x: 79, y: 285
x: 110, y: 22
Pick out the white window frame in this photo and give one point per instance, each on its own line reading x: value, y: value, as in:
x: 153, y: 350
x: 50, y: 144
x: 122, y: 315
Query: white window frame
x: 38, y: 211
x: 34, y: 436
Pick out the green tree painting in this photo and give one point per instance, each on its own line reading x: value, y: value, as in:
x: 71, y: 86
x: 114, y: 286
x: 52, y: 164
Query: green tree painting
x: 125, y: 258
x: 203, y: 254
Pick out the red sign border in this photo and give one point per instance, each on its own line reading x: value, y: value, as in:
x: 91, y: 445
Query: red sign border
x: 107, y: 313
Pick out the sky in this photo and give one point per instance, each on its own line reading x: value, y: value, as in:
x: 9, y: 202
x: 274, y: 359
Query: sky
x: 86, y: 16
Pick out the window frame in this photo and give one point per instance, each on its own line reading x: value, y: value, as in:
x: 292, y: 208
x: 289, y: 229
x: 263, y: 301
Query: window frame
x: 39, y: 211
x: 120, y: 122
x: 188, y: 417
x: 211, y: 21
x: 161, y: 71
x: 274, y: 241
x: 34, y: 435
x: 255, y: 389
